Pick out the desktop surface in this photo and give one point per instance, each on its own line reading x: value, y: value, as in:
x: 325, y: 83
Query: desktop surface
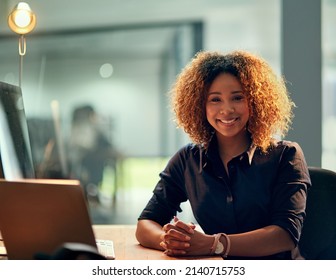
x: 126, y: 246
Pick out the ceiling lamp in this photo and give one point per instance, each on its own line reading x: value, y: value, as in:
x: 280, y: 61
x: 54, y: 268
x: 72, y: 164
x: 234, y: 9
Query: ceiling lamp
x: 22, y: 20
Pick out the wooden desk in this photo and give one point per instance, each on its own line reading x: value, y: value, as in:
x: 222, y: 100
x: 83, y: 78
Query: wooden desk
x: 128, y: 248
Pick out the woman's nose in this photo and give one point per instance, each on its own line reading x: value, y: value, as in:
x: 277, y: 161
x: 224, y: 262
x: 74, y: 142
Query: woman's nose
x: 227, y: 109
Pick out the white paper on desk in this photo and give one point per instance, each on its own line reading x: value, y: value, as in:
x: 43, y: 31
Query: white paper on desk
x: 3, y: 251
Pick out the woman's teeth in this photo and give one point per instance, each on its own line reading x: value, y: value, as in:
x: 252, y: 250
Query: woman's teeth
x: 228, y: 121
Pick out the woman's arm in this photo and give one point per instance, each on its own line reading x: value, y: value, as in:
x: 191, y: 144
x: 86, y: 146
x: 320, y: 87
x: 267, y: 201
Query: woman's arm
x: 179, y: 238
x: 257, y: 243
x: 149, y: 234
x: 261, y: 242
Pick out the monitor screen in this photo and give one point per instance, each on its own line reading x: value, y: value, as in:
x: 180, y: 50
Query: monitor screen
x: 15, y: 152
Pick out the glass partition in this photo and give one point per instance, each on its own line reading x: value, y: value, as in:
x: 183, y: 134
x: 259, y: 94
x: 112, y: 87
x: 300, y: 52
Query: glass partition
x: 97, y: 101
x: 329, y: 85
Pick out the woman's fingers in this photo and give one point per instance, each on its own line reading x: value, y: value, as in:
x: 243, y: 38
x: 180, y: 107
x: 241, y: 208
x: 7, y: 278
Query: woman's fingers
x: 185, y: 227
x: 175, y: 240
x: 174, y: 252
x: 176, y: 234
x: 174, y: 247
x: 180, y: 226
x: 175, y: 243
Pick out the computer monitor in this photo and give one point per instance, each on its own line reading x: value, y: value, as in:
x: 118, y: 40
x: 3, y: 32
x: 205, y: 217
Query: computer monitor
x: 15, y: 152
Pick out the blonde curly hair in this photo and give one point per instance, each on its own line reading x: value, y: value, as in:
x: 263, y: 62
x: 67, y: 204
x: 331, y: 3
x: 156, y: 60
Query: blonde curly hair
x: 270, y: 107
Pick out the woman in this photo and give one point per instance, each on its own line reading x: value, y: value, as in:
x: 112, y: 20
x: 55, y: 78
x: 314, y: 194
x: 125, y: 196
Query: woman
x: 247, y: 190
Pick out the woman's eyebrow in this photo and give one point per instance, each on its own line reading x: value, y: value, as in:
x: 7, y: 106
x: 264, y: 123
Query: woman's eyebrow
x: 232, y: 92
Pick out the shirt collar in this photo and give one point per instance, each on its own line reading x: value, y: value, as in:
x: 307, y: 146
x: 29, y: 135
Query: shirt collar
x: 211, y: 153
x: 250, y: 152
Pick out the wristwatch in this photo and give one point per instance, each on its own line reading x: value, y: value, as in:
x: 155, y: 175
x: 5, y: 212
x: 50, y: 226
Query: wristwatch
x: 219, y: 248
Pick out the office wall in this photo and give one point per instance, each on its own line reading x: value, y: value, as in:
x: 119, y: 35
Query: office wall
x: 73, y: 79
x: 252, y: 25
x: 302, y: 67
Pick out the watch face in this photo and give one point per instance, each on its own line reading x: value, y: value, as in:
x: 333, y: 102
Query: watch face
x: 219, y: 248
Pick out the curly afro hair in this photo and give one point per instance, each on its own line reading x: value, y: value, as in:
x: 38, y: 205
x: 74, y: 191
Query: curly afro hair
x: 271, y: 109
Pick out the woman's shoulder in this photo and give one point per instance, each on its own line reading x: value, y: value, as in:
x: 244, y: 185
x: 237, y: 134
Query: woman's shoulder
x: 189, y: 152
x: 282, y: 144
x: 287, y: 146
x: 190, y: 149
x: 185, y: 155
x: 290, y: 154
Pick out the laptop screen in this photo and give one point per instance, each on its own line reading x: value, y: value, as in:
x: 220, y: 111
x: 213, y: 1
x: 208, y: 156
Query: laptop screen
x: 15, y: 153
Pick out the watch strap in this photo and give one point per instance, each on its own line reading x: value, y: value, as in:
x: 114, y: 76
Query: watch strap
x: 216, y: 240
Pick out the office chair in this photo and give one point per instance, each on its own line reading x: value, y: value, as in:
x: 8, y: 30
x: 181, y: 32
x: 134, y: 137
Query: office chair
x: 318, y: 238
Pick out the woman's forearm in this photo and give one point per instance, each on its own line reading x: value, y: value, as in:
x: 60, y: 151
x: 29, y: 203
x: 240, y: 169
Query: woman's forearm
x: 262, y: 242
x: 149, y: 233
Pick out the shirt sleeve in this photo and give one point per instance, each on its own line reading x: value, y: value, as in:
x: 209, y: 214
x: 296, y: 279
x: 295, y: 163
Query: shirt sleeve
x: 290, y: 191
x: 169, y: 192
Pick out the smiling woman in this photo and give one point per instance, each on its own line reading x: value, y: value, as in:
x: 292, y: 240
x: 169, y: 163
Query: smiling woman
x: 247, y: 190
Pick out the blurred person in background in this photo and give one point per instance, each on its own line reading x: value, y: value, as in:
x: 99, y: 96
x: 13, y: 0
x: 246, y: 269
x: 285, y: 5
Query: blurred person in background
x: 90, y: 150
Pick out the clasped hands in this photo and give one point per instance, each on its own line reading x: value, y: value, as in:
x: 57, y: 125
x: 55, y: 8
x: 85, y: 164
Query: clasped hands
x: 180, y: 238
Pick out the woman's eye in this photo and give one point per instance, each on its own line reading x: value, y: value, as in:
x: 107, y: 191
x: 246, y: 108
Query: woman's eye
x: 215, y: 99
x: 238, y: 98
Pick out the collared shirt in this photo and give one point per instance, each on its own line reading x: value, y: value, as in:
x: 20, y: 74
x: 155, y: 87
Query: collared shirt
x: 260, y: 189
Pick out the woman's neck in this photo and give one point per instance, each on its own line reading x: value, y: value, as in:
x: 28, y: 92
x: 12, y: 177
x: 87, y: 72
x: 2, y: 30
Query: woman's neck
x: 230, y: 147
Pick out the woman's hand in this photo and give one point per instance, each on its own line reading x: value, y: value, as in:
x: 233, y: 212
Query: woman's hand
x: 181, y: 238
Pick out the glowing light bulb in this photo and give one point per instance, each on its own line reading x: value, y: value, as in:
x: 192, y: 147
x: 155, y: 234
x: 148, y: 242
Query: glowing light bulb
x: 22, y: 18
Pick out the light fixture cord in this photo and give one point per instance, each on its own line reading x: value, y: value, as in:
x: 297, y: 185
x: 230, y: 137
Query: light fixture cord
x: 22, y: 52
x: 22, y: 45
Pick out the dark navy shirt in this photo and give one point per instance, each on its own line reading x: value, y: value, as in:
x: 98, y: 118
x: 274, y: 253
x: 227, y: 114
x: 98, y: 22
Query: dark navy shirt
x: 260, y: 189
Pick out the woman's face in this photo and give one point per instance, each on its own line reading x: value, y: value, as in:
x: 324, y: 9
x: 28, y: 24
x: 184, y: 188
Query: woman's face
x: 227, y: 108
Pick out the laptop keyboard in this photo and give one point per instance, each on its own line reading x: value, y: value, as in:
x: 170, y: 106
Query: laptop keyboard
x: 106, y: 248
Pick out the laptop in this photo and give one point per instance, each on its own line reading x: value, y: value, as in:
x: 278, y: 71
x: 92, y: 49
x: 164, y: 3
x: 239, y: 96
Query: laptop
x: 38, y: 216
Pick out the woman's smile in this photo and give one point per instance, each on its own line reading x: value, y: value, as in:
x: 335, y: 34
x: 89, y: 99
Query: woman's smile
x: 228, y: 122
